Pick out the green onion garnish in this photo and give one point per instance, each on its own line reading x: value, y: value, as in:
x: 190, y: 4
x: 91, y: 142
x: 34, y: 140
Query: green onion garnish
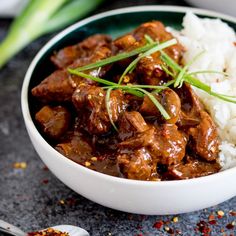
x: 137, y: 90
x: 154, y: 49
x: 178, y: 74
x: 188, y: 77
x: 115, y: 58
x: 180, y: 78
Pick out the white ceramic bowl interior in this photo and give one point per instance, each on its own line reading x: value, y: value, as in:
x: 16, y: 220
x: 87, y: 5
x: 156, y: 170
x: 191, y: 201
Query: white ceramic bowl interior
x: 167, y: 197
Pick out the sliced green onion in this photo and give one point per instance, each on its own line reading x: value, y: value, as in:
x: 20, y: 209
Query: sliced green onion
x: 115, y: 58
x: 127, y: 89
x: 170, y: 62
x: 208, y: 72
x: 40, y: 17
x: 148, y: 38
x: 154, y: 49
x: 224, y: 97
x: 167, y: 71
x: 70, y: 12
x: 197, y: 83
x: 179, y: 79
x: 187, y: 77
x: 86, y: 76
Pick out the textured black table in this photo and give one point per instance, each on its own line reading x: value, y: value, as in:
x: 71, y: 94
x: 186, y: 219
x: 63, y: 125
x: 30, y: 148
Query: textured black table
x: 33, y: 198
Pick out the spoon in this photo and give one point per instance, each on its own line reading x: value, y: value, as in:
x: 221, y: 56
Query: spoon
x: 15, y: 231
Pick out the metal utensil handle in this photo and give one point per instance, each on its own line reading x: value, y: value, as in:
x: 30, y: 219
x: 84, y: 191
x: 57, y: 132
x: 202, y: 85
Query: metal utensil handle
x: 11, y: 229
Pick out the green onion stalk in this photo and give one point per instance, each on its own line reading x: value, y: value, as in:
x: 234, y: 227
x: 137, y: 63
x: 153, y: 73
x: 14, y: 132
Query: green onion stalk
x: 40, y: 17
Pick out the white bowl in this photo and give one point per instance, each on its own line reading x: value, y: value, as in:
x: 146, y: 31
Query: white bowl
x: 225, y: 6
x: 167, y: 197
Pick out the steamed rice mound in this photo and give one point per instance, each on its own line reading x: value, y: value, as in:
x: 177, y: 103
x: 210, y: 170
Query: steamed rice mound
x: 217, y: 40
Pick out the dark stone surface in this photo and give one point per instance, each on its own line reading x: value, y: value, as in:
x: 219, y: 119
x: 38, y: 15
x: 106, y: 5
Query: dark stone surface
x: 32, y: 198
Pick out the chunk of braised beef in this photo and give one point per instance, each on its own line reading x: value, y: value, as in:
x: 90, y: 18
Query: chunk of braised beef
x: 169, y: 100
x: 165, y: 143
x: 99, y: 54
x: 125, y: 42
x: 78, y: 147
x: 130, y: 123
x: 193, y: 168
x: 198, y: 125
x: 90, y: 102
x: 157, y: 31
x: 68, y: 55
x: 58, y: 87
x: 53, y: 121
x: 137, y: 164
x: 204, y: 138
x: 149, y: 70
x: 75, y: 147
x: 190, y: 106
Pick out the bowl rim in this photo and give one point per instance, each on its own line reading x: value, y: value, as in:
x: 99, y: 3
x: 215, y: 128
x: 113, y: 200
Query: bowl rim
x: 31, y: 126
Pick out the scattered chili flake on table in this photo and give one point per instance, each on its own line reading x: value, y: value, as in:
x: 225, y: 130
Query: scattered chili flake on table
x: 45, y: 181
x: 220, y: 214
x: 45, y: 168
x: 178, y: 232
x: 48, y: 232
x: 203, y: 227
x: 232, y: 213
x: 72, y: 202
x: 158, y: 224
x: 230, y: 225
x: 211, y: 219
x: 212, y: 222
x: 169, y: 230
x: 20, y: 165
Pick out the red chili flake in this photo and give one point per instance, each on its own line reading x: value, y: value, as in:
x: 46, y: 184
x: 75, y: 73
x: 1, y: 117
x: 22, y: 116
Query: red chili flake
x: 220, y: 214
x: 212, y: 222
x: 230, y: 225
x: 158, y: 224
x: 45, y: 181
x: 178, y: 231
x: 203, y: 227
x: 232, y: 213
x: 48, y: 232
x: 71, y: 202
x: 169, y: 230
x: 45, y: 168
x: 211, y: 217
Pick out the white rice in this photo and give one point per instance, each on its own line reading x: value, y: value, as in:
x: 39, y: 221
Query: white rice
x: 217, y: 39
